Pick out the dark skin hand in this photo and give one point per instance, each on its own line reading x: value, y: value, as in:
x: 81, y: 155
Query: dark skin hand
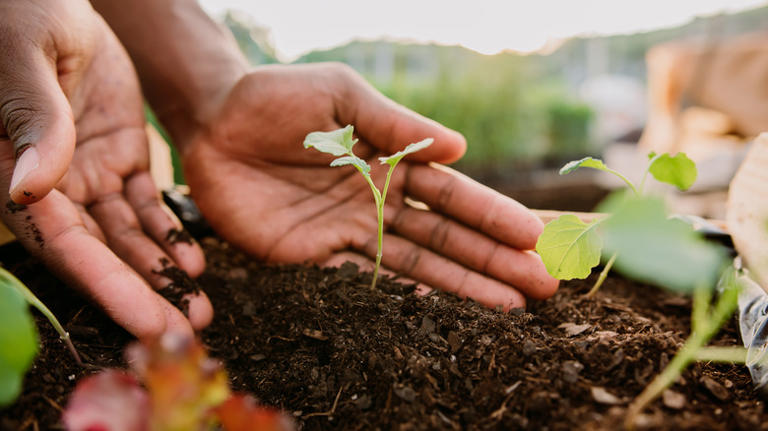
x: 261, y: 190
x: 74, y: 149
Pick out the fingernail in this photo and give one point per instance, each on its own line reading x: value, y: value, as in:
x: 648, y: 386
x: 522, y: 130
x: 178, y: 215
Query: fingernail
x: 27, y: 162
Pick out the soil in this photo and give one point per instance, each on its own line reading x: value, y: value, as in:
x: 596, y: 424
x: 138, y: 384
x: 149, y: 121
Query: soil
x: 175, y: 236
x: 337, y: 355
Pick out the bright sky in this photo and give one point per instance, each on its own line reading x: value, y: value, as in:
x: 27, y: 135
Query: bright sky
x: 487, y: 26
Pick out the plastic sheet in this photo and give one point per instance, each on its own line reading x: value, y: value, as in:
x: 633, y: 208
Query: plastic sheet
x: 753, y: 324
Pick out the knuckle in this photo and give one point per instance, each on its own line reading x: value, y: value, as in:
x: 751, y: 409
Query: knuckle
x: 341, y: 69
x: 438, y: 236
x: 445, y: 194
x: 410, y: 260
x: 18, y: 119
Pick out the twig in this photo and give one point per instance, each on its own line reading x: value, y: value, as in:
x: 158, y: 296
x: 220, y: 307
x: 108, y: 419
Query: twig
x: 329, y: 412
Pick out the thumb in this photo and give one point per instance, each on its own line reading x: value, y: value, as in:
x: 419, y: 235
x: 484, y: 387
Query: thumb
x: 389, y: 126
x: 37, y: 118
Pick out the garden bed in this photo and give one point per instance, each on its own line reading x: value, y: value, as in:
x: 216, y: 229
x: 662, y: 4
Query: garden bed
x: 337, y: 355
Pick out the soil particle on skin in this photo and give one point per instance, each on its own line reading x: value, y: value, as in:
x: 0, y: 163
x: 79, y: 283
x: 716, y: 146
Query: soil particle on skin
x: 175, y: 236
x: 181, y: 285
x: 13, y: 207
x: 319, y: 343
x: 35, y: 233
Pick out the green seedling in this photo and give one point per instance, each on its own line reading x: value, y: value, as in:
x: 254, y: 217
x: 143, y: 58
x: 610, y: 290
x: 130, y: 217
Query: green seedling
x: 646, y: 244
x: 570, y: 248
x: 707, y: 317
x: 339, y: 143
x: 18, y: 335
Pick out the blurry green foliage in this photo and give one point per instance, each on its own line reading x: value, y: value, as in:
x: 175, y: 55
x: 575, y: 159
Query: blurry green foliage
x: 505, y: 114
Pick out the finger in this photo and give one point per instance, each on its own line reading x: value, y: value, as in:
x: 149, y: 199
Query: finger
x: 175, y: 321
x: 124, y: 235
x: 90, y: 224
x: 390, y: 127
x: 52, y: 230
x: 35, y: 115
x: 448, y: 192
x: 157, y: 221
x: 522, y: 269
x: 199, y: 310
x: 438, y: 272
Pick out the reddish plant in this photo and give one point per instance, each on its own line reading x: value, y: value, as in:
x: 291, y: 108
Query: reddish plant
x: 174, y: 386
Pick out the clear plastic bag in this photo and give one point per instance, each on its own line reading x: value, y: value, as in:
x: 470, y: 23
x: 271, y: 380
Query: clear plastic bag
x: 753, y: 324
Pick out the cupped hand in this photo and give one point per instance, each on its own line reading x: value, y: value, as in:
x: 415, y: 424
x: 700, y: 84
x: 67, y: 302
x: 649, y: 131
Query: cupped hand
x: 72, y: 118
x: 261, y: 190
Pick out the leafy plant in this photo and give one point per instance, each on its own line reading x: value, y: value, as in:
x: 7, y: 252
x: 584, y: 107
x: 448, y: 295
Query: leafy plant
x: 339, y: 143
x: 570, y: 248
x: 18, y: 335
x: 185, y: 390
x: 646, y: 244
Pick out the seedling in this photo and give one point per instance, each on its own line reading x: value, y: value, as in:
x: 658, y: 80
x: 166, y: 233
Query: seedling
x: 706, y: 320
x: 645, y: 244
x: 18, y: 335
x: 185, y: 390
x: 339, y: 143
x: 570, y: 248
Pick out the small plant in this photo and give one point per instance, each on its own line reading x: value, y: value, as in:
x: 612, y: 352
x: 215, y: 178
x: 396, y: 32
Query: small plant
x: 18, y: 335
x: 339, y: 143
x: 570, y: 248
x: 645, y: 244
x: 185, y: 390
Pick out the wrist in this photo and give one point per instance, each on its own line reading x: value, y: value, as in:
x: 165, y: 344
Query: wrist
x: 187, y: 63
x: 193, y: 111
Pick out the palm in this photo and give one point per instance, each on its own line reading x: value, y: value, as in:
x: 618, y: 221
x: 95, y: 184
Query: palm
x: 260, y: 189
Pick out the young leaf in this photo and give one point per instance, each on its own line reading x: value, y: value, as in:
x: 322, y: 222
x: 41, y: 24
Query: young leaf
x: 680, y: 171
x: 589, y: 162
x: 337, y: 142
x: 569, y: 247
x: 586, y: 162
x: 108, y: 400
x: 662, y: 251
x: 183, y: 383
x: 411, y: 148
x: 355, y: 161
x: 18, y: 342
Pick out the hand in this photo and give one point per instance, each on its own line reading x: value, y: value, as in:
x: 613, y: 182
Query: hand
x: 63, y: 75
x: 261, y: 190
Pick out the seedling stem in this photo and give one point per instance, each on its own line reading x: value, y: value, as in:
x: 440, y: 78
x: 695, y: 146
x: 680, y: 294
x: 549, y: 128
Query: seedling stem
x: 339, y: 143
x: 35, y: 302
x: 705, y: 323
x: 603, y: 275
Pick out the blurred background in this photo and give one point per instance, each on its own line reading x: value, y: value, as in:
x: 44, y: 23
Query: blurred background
x: 534, y: 84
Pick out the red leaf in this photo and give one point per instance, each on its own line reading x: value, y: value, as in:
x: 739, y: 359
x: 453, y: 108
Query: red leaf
x: 241, y: 413
x: 108, y: 401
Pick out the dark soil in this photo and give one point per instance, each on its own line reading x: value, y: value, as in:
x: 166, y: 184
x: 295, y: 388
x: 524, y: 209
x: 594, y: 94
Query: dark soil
x: 175, y: 236
x: 337, y: 355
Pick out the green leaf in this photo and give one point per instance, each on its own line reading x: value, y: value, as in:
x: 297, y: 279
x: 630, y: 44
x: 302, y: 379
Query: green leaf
x: 411, y: 148
x: 656, y: 249
x: 355, y: 161
x: 586, y: 162
x: 18, y: 342
x: 569, y: 247
x: 680, y: 171
x: 337, y: 142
